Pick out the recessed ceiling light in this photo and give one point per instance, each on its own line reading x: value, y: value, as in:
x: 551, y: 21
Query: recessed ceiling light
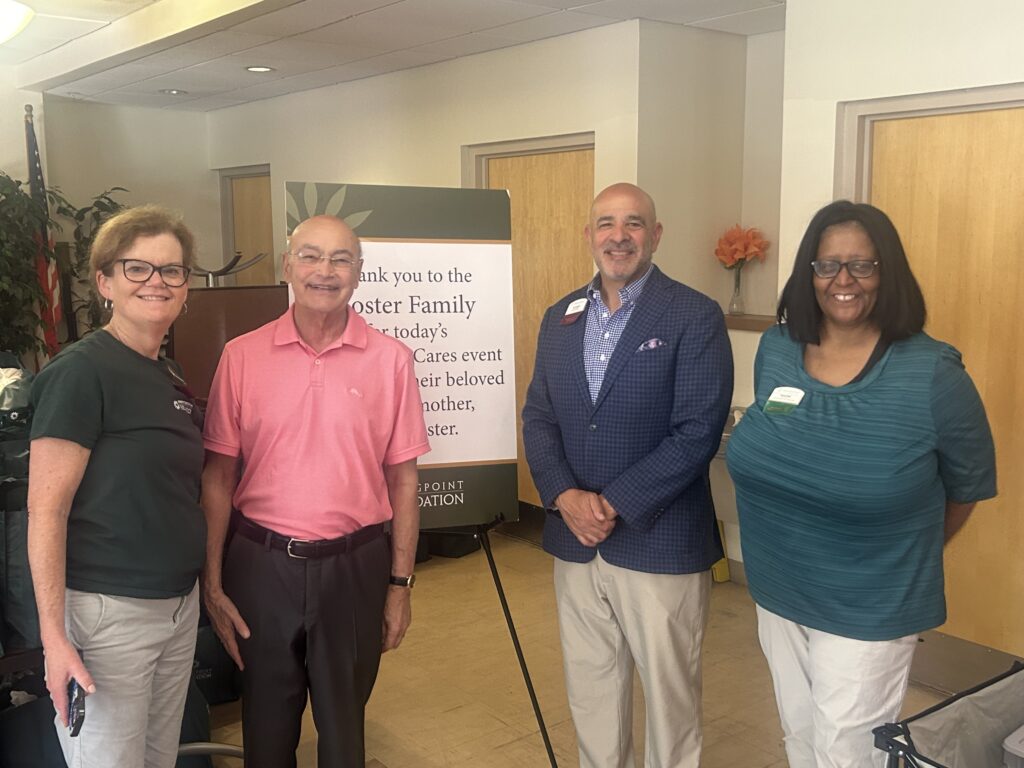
x: 259, y: 69
x: 173, y: 91
x: 14, y: 17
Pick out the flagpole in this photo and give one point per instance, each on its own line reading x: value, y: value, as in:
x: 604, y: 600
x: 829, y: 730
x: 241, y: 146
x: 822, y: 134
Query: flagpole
x: 46, y: 265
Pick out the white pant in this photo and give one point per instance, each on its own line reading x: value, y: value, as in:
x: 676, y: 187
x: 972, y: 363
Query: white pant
x: 611, y: 618
x: 833, y: 690
x: 139, y: 653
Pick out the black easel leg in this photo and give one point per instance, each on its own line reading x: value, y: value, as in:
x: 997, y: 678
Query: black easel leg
x: 485, y: 542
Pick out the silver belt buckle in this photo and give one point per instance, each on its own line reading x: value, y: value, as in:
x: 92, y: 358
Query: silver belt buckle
x: 288, y: 549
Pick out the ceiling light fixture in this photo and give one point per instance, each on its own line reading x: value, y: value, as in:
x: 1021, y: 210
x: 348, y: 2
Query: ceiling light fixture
x: 173, y: 92
x: 14, y: 17
x: 259, y: 69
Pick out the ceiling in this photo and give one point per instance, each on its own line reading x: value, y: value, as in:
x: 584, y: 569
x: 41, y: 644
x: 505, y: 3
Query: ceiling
x: 137, y: 51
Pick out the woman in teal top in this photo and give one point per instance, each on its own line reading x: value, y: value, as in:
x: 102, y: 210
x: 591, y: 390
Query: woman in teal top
x: 865, y: 450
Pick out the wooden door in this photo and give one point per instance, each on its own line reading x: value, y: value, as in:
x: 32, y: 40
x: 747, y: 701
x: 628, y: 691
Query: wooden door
x: 550, y: 195
x: 954, y: 188
x: 253, y: 228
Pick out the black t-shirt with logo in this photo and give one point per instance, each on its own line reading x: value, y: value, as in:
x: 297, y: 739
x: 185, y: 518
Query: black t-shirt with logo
x: 135, y: 528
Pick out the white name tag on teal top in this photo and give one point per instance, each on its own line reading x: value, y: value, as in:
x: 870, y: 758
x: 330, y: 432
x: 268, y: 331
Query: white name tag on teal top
x: 783, y: 400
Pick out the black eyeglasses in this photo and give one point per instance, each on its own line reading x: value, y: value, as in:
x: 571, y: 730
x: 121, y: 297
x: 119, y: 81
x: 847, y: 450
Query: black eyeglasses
x: 138, y: 271
x: 858, y: 268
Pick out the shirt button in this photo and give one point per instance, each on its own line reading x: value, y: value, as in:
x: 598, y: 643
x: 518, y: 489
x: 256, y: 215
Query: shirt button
x: 316, y: 362
x: 607, y: 335
x: 593, y: 427
x: 603, y: 358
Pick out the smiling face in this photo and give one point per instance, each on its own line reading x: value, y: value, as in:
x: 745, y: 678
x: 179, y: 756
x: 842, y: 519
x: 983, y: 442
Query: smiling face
x: 845, y: 301
x: 152, y: 303
x: 623, y: 234
x: 322, y: 288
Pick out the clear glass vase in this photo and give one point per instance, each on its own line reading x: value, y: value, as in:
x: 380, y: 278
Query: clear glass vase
x: 736, y: 303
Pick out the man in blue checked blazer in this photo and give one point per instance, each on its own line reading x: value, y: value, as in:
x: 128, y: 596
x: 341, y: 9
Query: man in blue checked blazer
x: 630, y: 392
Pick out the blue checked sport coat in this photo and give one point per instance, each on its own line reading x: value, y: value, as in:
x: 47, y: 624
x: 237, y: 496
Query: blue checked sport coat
x: 647, y: 441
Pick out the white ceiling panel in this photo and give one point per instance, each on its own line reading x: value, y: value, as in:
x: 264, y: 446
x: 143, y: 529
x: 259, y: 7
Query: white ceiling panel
x: 298, y: 55
x: 558, y: 4
x: 750, y: 23
x: 411, y: 23
x: 134, y: 99
x: 459, y: 15
x: 207, y: 48
x: 44, y: 33
x: 97, y: 10
x: 465, y: 45
x: 112, y: 79
x: 308, y: 15
x: 674, y: 11
x: 196, y: 80
x: 549, y: 25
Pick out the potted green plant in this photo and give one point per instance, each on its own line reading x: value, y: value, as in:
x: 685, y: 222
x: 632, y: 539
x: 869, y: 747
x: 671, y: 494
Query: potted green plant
x: 86, y: 311
x: 22, y: 221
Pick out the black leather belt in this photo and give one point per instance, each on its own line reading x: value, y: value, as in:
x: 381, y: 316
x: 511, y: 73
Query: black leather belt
x: 305, y: 549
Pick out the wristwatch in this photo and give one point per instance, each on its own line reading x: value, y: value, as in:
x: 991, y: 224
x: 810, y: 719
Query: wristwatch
x: 402, y: 581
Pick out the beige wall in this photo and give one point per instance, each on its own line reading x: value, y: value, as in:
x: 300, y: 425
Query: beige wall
x: 159, y: 156
x: 690, y: 143
x: 407, y: 128
x: 841, y: 51
x: 762, y: 164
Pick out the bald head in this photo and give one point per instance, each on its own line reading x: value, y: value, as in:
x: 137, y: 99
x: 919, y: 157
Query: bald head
x: 325, y: 226
x: 642, y: 201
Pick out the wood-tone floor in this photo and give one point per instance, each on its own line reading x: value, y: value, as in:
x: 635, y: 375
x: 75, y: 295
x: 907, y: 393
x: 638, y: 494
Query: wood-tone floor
x: 453, y: 695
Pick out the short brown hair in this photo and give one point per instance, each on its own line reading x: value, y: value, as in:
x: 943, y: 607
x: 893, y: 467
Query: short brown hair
x: 119, y: 233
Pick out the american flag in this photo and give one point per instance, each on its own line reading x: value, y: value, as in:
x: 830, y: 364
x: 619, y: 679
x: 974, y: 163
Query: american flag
x: 46, y: 264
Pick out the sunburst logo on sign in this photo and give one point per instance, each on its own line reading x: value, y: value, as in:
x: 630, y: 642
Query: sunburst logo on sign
x: 313, y: 199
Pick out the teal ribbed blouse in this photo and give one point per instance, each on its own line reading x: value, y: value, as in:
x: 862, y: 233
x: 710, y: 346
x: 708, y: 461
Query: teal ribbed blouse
x: 842, y: 500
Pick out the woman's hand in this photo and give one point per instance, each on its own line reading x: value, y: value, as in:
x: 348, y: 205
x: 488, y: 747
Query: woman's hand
x: 62, y: 664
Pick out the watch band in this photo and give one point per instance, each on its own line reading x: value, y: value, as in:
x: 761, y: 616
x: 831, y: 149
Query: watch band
x: 402, y: 581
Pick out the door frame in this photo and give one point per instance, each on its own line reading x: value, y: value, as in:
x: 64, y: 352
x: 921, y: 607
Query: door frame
x: 855, y: 120
x: 227, y: 208
x: 475, y: 156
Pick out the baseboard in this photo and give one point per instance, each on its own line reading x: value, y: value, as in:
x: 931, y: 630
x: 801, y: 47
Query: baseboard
x: 737, y: 572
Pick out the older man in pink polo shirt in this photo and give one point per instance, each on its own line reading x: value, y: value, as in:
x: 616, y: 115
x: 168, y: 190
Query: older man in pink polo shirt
x: 312, y: 433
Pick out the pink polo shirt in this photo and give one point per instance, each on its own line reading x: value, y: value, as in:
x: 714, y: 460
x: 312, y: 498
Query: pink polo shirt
x: 314, y: 431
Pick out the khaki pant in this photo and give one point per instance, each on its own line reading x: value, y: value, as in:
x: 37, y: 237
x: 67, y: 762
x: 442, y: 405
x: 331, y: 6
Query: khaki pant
x: 139, y: 653
x: 612, y: 619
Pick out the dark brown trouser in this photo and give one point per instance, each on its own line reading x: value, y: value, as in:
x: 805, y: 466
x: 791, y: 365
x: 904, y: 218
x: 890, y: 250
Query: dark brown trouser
x: 316, y: 626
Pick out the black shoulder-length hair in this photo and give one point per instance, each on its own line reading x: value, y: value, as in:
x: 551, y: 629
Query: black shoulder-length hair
x: 899, y: 311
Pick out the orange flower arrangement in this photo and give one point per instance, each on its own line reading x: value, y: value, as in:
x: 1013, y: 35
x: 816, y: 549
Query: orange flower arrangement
x: 738, y: 246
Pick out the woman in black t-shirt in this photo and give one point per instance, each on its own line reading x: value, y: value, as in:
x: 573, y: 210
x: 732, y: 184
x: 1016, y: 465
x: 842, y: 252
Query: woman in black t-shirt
x: 116, y: 534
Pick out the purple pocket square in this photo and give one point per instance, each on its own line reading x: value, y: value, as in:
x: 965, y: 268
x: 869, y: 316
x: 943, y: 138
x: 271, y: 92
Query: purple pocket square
x: 650, y: 344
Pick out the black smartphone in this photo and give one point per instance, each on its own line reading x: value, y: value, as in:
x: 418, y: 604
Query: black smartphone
x: 76, y: 707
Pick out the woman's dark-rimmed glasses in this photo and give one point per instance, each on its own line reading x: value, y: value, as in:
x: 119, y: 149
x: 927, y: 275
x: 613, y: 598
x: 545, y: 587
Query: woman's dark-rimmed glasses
x: 857, y: 268
x: 139, y: 271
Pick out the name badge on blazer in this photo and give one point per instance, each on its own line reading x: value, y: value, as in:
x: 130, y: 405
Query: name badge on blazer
x: 573, y: 311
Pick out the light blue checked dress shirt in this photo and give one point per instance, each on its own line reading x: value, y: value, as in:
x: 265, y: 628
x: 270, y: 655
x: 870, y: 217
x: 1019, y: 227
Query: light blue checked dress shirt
x: 604, y: 329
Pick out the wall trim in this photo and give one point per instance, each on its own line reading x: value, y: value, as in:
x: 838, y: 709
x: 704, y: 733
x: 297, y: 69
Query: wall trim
x: 227, y: 219
x: 475, y: 156
x: 855, y: 120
